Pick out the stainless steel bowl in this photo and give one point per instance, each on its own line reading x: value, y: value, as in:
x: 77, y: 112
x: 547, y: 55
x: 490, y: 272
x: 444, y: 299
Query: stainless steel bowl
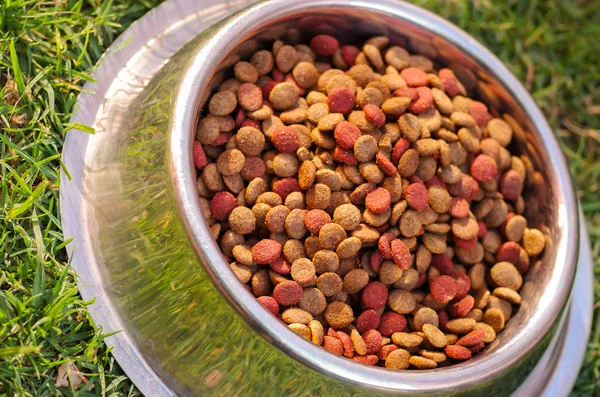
x: 196, y: 327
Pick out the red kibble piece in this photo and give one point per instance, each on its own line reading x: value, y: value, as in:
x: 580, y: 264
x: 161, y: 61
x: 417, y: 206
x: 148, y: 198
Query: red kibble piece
x: 324, y: 45
x: 465, y: 244
x: 511, y: 185
x: 407, y: 92
x: 479, y: 112
x: 509, y: 252
x: 385, y: 350
x: 400, y: 147
x: 278, y: 75
x: 462, y: 307
x: 374, y: 114
x: 224, y: 136
x: 286, y: 139
x: 346, y: 343
x: 200, y: 160
x: 417, y: 196
x: 266, y: 251
x: 341, y: 100
x: 222, y: 204
x: 333, y: 345
x: 267, y: 88
x: 459, y: 208
x: 285, y: 186
x: 463, y: 285
x: 443, y: 289
x: 349, y: 53
x: 246, y: 123
x: 249, y: 96
x: 391, y: 322
x: 378, y: 200
x: 477, y: 348
x: 287, y: 293
x: 473, y: 338
x: 443, y: 264
x: 374, y: 295
x: 424, y: 101
x: 421, y: 281
x: 436, y: 181
x: 414, y: 77
x: 315, y: 219
x: 376, y: 261
x: 254, y: 167
x: 384, y: 245
x: 482, y: 229
x: 344, y: 156
x: 370, y: 359
x: 331, y: 332
x: 372, y: 339
x: 346, y: 134
x: 449, y: 81
x: 484, y: 168
x: 269, y: 303
x: 240, y: 116
x: 466, y: 188
x: 385, y: 164
x: 369, y: 319
x: 458, y: 352
x: 400, y: 254
x: 280, y: 266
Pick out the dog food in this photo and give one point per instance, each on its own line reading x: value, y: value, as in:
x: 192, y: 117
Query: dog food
x: 367, y: 201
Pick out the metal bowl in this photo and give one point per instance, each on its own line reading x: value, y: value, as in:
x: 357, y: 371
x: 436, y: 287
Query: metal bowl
x: 194, y: 324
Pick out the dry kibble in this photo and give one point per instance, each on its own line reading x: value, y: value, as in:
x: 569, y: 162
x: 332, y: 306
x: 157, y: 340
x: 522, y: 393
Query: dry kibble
x: 357, y: 188
x: 494, y: 318
x: 505, y: 274
x: 339, y: 314
x: 404, y: 339
x: 533, y: 241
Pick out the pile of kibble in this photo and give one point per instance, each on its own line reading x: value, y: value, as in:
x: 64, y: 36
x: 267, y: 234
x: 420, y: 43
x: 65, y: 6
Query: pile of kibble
x: 366, y: 201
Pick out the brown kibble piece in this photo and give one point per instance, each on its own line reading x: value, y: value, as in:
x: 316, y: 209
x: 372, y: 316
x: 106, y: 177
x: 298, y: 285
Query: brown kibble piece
x: 461, y: 326
x: 495, y: 319
x: 329, y: 283
x: 348, y: 248
x: 505, y: 274
x: 425, y: 315
x: 313, y: 301
x: 242, y: 220
x: 533, y: 241
x: 283, y: 96
x: 303, y: 271
x: 338, y: 314
x: 331, y: 235
x: 295, y: 315
x: 301, y: 330
x: 434, y: 335
x: 405, y: 339
x: 398, y: 359
x: 305, y: 74
x: 401, y: 301
x: 348, y: 216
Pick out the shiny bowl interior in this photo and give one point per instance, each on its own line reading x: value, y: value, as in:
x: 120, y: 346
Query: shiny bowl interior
x: 550, y: 202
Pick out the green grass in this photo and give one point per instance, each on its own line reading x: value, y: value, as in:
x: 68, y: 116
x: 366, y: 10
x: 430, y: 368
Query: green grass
x: 47, y: 52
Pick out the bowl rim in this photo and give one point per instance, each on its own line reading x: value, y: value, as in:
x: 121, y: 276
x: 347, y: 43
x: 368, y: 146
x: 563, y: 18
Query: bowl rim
x: 470, y: 373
